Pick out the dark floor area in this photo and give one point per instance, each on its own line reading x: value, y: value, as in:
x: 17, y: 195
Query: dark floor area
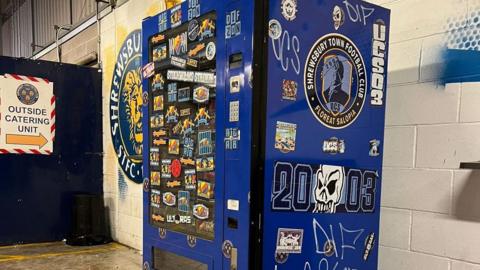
x: 52, y: 256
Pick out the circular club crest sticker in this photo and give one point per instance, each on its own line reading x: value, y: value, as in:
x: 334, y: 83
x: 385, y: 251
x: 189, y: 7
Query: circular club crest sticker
x: 335, y: 81
x: 27, y: 94
x: 126, y: 101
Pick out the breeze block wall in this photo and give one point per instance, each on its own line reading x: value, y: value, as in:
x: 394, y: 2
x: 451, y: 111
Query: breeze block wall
x: 123, y: 197
x: 431, y: 209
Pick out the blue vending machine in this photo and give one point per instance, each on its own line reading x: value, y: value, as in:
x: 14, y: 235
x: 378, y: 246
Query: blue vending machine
x: 263, y: 134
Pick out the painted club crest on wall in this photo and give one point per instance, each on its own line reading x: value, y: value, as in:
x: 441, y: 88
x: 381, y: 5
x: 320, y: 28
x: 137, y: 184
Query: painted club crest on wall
x: 126, y: 107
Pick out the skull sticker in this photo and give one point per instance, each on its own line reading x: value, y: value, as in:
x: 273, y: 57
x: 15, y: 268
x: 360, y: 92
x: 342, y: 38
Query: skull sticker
x: 338, y: 17
x: 328, y: 190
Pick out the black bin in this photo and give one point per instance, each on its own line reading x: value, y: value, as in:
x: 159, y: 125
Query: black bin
x: 89, y: 223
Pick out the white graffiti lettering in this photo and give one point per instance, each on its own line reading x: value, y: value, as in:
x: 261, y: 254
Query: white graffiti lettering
x: 358, y: 13
x: 348, y: 238
x: 324, y: 265
x: 282, y: 46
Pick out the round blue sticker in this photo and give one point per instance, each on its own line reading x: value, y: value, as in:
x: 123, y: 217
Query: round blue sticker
x: 126, y: 103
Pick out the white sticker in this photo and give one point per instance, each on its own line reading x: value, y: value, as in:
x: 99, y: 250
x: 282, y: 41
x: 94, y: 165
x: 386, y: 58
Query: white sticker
x: 236, y: 83
x: 211, y: 51
x: 289, y: 9
x: 192, y: 76
x: 233, y: 205
x: 274, y: 29
x: 148, y: 70
x: 234, y: 111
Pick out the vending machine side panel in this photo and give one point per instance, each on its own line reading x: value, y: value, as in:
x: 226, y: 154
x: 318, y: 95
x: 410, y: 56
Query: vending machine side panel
x: 325, y: 117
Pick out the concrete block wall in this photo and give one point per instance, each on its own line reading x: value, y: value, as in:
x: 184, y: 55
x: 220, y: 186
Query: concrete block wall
x: 78, y: 48
x: 430, y: 217
x: 122, y: 196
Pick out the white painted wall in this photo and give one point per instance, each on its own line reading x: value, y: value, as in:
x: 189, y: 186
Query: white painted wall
x: 123, y: 197
x: 431, y: 209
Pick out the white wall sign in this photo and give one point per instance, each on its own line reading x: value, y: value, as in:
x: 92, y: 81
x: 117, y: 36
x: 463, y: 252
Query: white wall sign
x: 27, y: 119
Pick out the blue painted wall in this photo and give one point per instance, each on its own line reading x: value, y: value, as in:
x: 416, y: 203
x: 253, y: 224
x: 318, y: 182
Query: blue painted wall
x: 36, y: 191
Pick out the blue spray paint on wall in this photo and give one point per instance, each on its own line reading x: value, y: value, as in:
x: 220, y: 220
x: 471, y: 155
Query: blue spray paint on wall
x: 462, y: 54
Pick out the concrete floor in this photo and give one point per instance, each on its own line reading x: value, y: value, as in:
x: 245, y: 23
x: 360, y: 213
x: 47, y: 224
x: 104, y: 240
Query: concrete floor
x: 53, y: 256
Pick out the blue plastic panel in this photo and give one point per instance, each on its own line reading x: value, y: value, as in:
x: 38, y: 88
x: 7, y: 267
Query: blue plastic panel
x: 325, y: 126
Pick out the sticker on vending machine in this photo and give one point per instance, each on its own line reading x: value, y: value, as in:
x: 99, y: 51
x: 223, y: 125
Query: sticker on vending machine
x: 190, y: 179
x: 289, y: 240
x: 289, y: 90
x: 155, y: 198
x: 169, y: 199
x: 205, y: 143
x: 187, y: 127
x: 158, y: 103
x: 184, y: 94
x: 176, y: 16
x: 193, y: 30
x: 201, y: 94
x: 157, y: 39
x: 200, y: 211
x: 158, y: 82
x: 334, y: 146
x: 205, y: 190
x: 174, y: 146
x: 172, y: 92
x: 154, y: 157
x: 178, y: 62
x: 173, y: 184
x: 207, y: 29
x: 211, y: 51
x: 236, y: 83
x: 184, y: 201
x: 202, y: 117
x: 206, y: 164
x: 155, y: 178
x: 156, y: 121
x: 176, y: 168
x: 178, y: 45
x: 285, y: 137
x: 374, y: 148
x: 274, y: 29
x: 159, y: 53
x: 172, y: 115
x: 289, y: 9
x: 188, y: 147
x: 232, y: 138
x: 166, y: 168
x: 328, y: 188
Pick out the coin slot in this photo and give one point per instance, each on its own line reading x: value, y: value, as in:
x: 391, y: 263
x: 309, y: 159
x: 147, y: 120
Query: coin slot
x: 232, y: 223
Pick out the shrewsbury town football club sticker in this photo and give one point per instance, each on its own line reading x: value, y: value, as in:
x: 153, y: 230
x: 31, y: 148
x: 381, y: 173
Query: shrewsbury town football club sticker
x: 335, y: 81
x: 126, y: 107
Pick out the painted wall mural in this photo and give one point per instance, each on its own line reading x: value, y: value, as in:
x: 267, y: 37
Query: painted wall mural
x: 126, y: 107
